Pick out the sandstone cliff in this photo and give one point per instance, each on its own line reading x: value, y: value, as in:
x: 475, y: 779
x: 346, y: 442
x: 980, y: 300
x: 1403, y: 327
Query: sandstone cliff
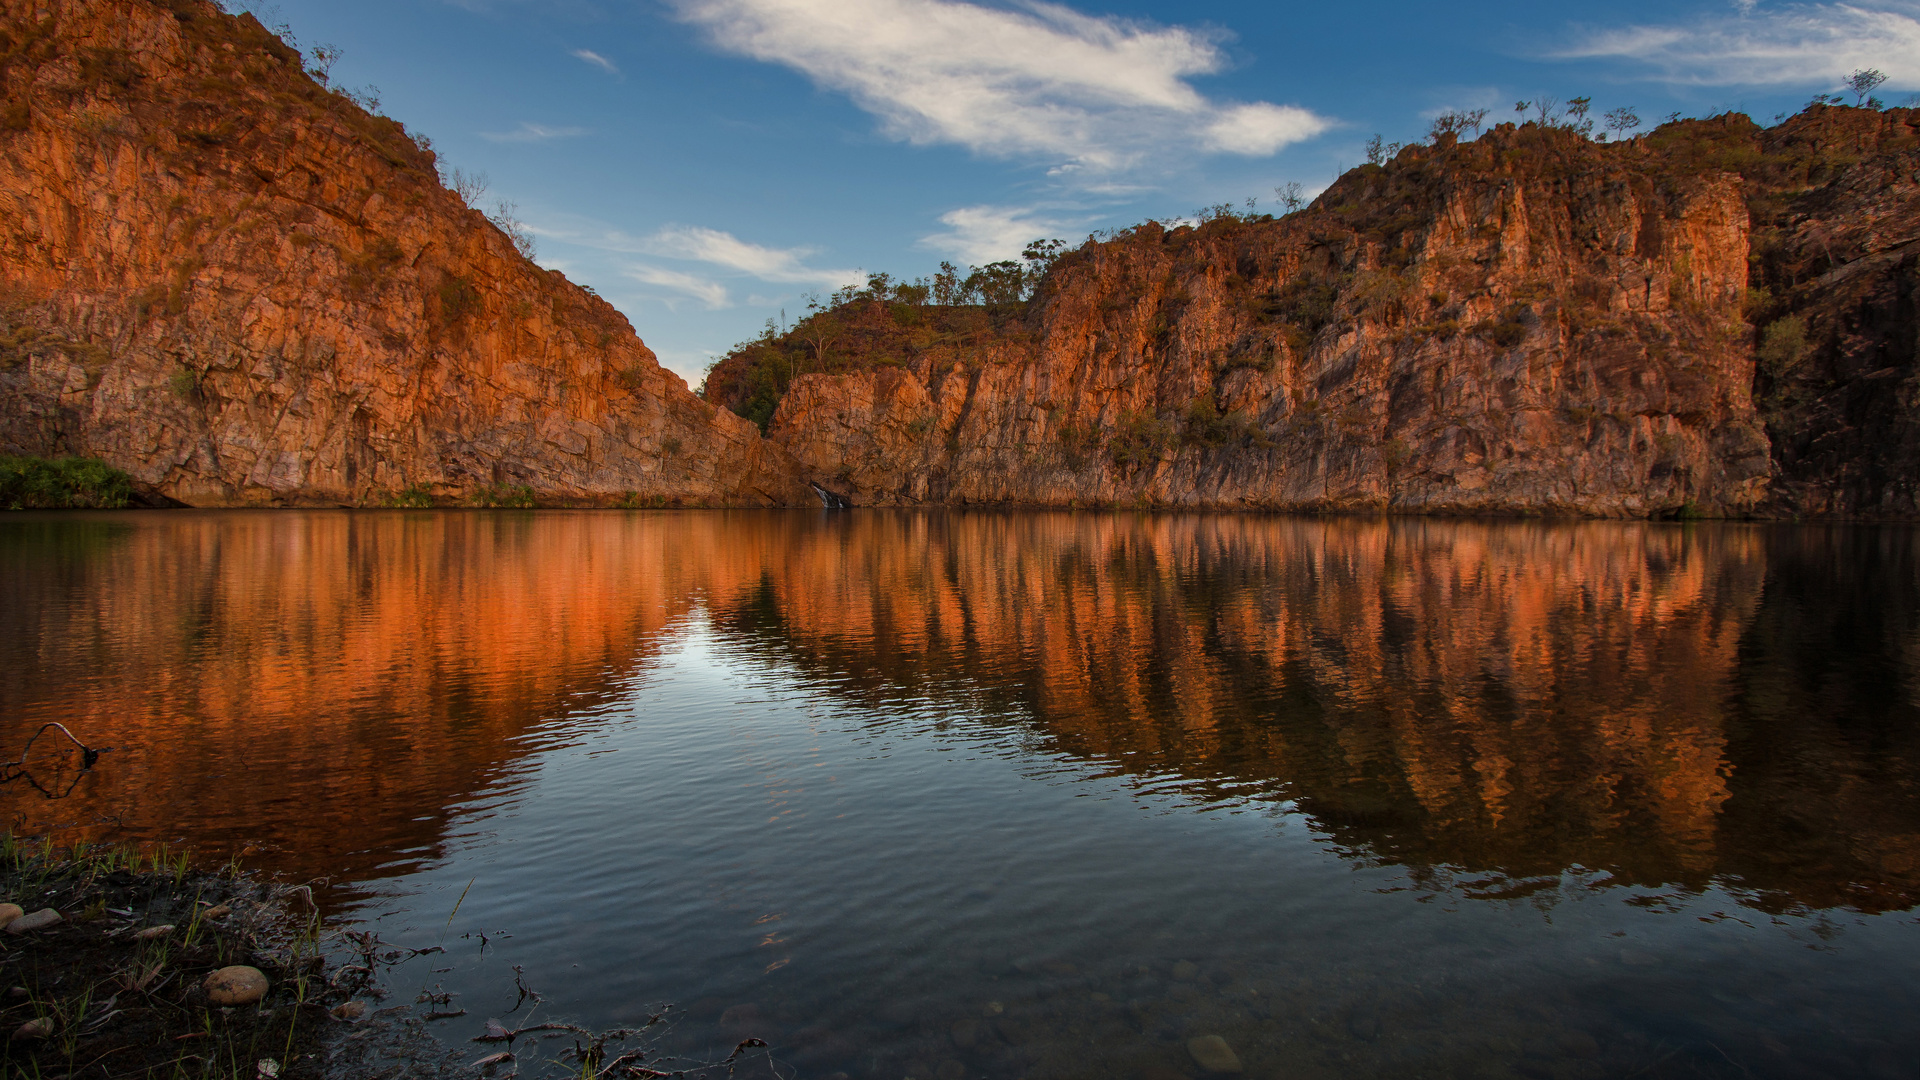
x: 1527, y: 322
x: 242, y: 288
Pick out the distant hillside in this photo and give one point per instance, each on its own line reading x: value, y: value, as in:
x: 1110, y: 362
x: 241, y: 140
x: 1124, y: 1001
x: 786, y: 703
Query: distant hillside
x: 243, y: 288
x: 1712, y: 318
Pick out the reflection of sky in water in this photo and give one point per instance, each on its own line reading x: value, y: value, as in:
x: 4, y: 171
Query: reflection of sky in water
x: 1047, y: 795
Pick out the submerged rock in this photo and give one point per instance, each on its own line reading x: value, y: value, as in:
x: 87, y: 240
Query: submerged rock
x: 1213, y: 1054
x: 1185, y: 970
x: 236, y: 985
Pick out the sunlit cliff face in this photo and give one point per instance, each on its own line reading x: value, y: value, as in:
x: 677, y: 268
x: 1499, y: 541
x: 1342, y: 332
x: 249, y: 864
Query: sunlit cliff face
x: 1488, y: 704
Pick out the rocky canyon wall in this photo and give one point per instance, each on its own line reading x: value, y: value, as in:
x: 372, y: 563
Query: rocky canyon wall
x: 239, y: 286
x: 1527, y: 322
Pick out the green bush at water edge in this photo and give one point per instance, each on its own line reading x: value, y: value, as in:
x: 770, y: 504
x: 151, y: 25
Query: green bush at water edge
x: 67, y: 483
x: 505, y: 496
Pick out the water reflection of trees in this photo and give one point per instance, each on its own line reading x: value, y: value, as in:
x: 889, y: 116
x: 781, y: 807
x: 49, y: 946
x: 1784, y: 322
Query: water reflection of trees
x: 1662, y: 706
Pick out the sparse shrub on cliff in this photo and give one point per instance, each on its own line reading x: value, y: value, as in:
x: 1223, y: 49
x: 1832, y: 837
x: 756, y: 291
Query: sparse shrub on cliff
x: 1139, y: 439
x: 1378, y: 291
x: 458, y: 299
x: 369, y: 267
x: 99, y: 67
x: 1506, y: 331
x: 1207, y: 426
x: 1307, y: 301
x: 411, y: 497
x: 1257, y: 356
x: 505, y: 497
x: 505, y: 216
x: 1395, y: 454
x: 182, y: 283
x: 28, y: 483
x: 183, y: 384
x: 1783, y: 346
x: 1453, y: 123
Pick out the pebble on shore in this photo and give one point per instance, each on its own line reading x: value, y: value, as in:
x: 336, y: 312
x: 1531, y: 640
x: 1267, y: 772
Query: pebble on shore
x: 10, y: 912
x: 236, y: 985
x: 39, y: 920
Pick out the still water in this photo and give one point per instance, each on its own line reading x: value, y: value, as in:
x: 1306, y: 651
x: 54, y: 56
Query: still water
x: 1038, y: 795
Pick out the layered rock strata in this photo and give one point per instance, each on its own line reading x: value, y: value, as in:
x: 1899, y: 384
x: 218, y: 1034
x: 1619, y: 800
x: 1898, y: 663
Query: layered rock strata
x: 242, y: 288
x: 1529, y: 322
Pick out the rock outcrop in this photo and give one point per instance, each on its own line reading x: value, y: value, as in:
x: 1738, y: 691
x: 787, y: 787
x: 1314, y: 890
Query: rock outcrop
x: 242, y: 288
x: 1528, y: 322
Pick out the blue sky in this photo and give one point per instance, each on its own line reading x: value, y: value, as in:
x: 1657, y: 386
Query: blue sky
x: 705, y: 164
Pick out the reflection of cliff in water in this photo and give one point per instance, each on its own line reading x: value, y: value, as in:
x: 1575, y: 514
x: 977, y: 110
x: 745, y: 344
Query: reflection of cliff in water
x: 1488, y: 704
x: 331, y: 686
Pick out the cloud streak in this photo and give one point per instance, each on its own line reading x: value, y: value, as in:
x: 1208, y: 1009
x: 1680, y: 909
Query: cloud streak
x: 1802, y: 44
x: 784, y: 265
x: 708, y: 292
x: 1044, y: 82
x: 984, y: 234
x: 597, y: 60
x: 528, y: 133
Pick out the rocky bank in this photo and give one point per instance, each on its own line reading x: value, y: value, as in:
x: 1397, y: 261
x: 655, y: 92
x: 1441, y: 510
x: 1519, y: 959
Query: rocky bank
x: 1710, y: 319
x: 241, y: 287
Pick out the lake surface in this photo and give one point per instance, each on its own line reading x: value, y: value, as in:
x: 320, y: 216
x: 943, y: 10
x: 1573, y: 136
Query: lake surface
x: 1034, y: 795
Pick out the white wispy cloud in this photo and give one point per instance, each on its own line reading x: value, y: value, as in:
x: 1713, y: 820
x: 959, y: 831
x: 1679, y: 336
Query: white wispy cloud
x: 597, y: 60
x: 984, y: 234
x: 1044, y: 81
x: 533, y: 133
x: 787, y: 265
x: 707, y: 291
x: 1800, y: 44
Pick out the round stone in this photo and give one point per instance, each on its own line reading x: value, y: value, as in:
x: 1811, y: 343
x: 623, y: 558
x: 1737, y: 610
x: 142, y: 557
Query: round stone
x: 1185, y: 970
x: 39, y: 920
x: 10, y: 912
x: 236, y: 985
x: 35, y: 1029
x: 1213, y: 1054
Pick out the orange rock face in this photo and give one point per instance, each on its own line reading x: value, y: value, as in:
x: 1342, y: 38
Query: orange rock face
x: 244, y: 289
x: 1530, y: 322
